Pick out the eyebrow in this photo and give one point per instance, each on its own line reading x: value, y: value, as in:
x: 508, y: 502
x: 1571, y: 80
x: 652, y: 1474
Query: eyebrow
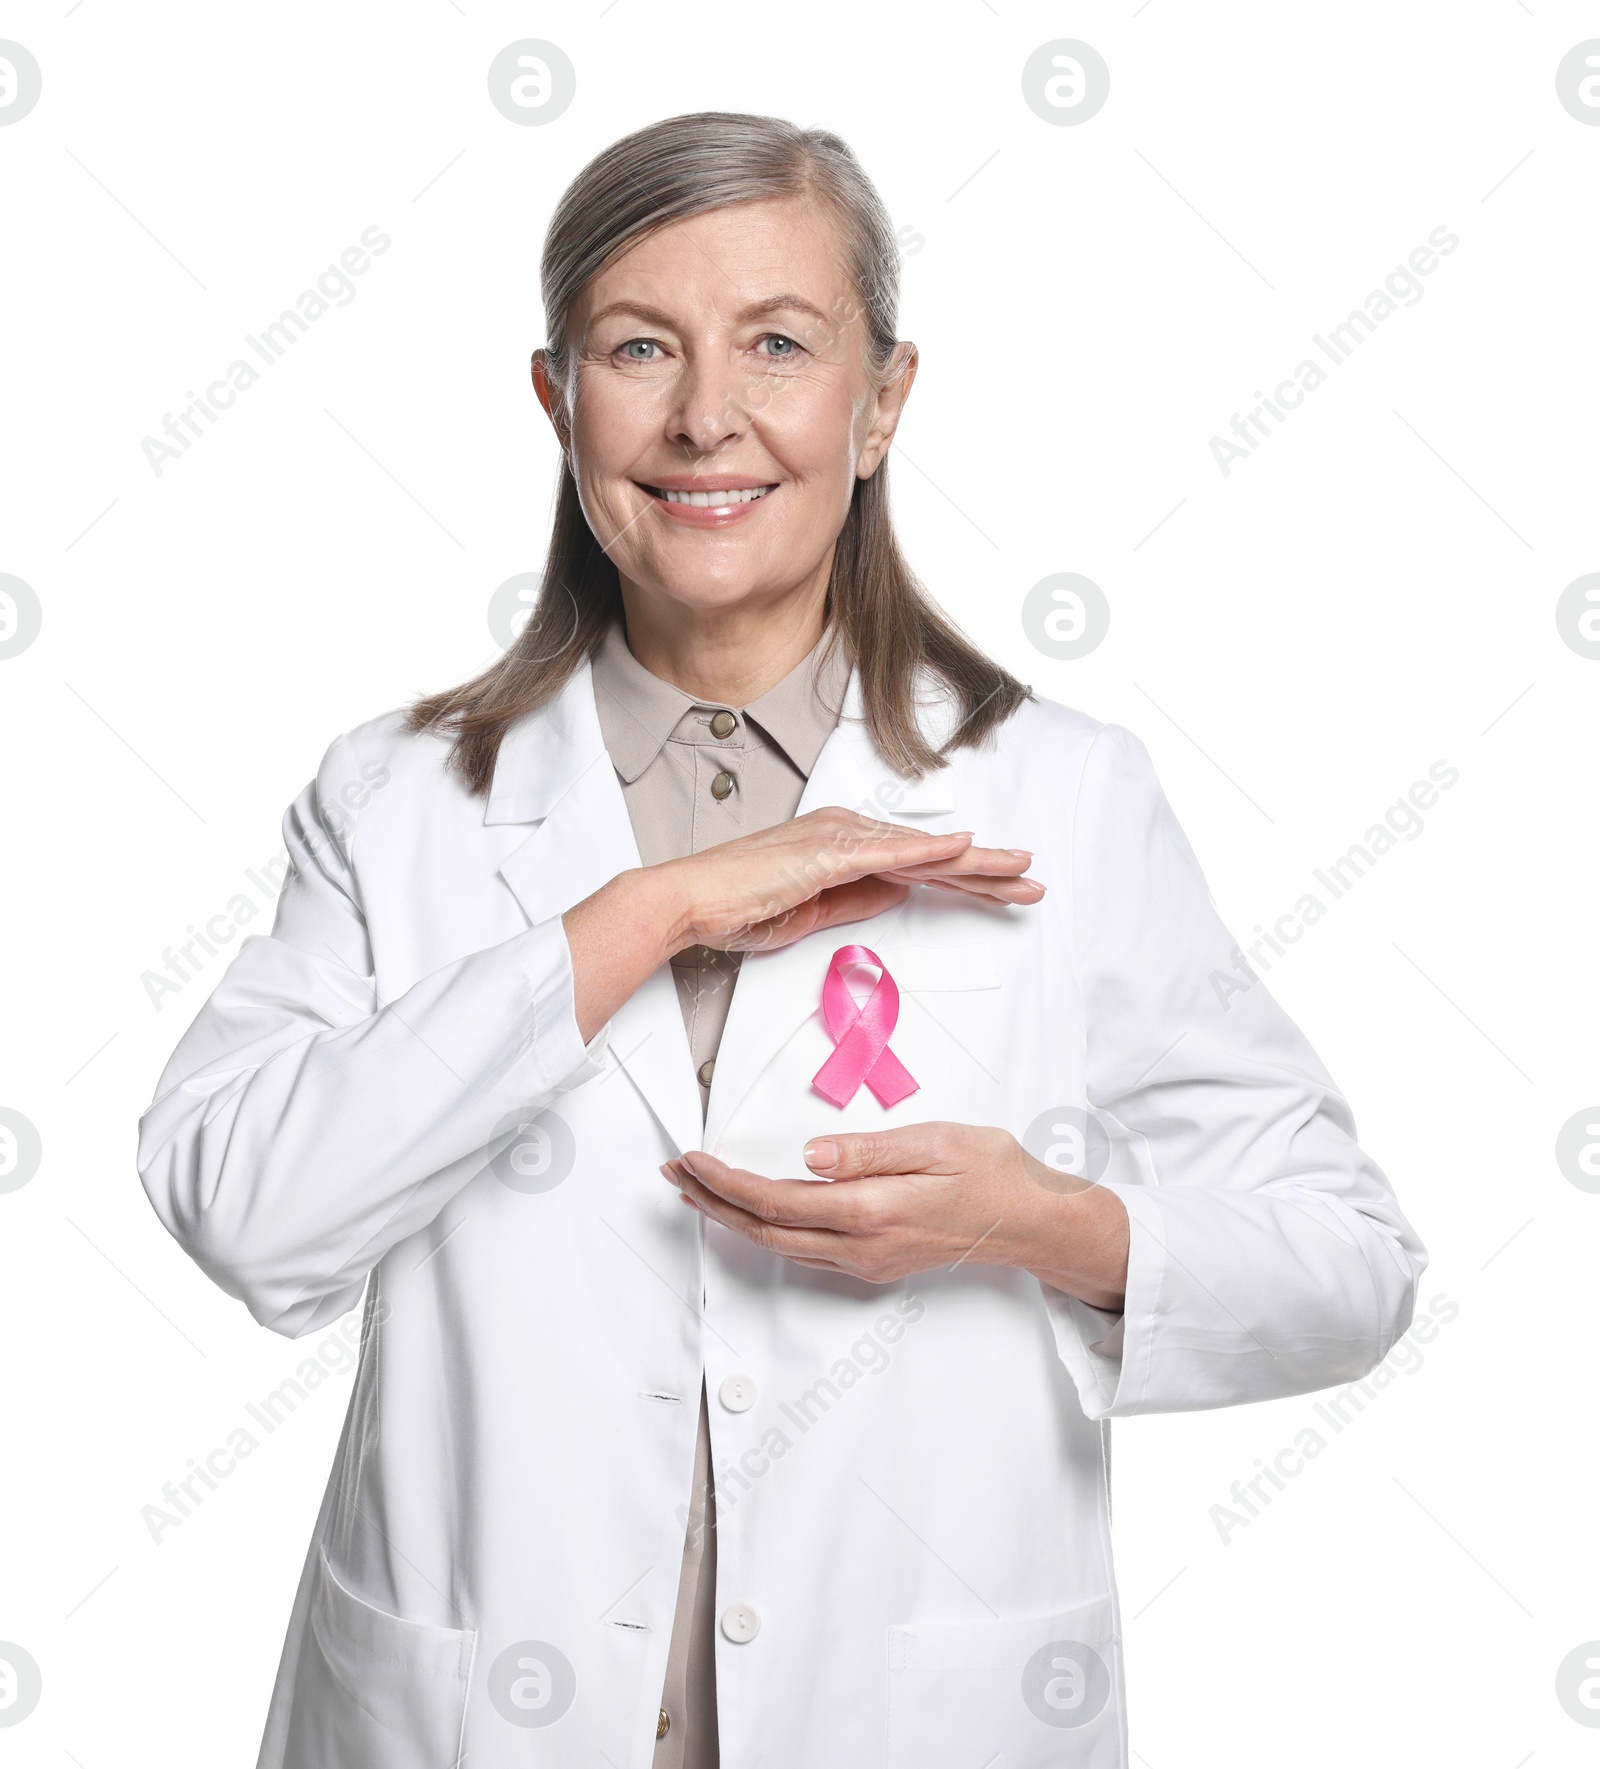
x: 786, y: 303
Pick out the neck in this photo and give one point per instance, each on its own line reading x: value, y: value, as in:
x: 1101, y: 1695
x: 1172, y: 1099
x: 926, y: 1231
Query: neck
x: 730, y: 655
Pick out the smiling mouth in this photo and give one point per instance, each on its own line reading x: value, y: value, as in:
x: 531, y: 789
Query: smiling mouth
x: 709, y: 500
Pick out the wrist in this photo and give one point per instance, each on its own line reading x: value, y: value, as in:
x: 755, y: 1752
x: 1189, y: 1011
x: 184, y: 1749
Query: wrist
x: 1073, y: 1235
x: 1039, y: 1222
x: 656, y: 902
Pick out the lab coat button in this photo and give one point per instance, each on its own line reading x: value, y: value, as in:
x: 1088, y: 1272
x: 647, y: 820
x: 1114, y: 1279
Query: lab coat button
x: 740, y: 1623
x: 738, y: 1392
x: 721, y: 784
x: 722, y: 724
x: 663, y: 1724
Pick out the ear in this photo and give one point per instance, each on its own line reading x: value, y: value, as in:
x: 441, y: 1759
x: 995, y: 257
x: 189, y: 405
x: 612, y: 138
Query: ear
x: 550, y: 396
x: 892, y: 396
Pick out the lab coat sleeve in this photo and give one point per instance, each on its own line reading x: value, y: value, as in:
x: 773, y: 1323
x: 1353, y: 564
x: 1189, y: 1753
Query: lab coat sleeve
x: 304, y: 1126
x: 1268, y: 1255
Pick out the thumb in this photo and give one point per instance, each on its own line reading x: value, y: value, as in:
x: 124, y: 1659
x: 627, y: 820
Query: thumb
x: 859, y: 900
x: 855, y: 1156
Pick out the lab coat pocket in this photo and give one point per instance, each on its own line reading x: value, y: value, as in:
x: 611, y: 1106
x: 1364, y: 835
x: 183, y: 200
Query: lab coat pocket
x: 1045, y: 1691
x: 373, y: 1691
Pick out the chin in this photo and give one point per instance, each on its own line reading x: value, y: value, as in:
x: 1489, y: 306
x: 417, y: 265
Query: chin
x: 702, y: 597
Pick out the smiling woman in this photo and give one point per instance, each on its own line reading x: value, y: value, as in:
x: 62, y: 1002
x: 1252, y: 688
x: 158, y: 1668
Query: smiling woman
x: 652, y: 1085
x: 721, y: 294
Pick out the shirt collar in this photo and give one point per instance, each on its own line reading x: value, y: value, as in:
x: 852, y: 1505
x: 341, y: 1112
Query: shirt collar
x: 799, y: 713
x: 639, y: 711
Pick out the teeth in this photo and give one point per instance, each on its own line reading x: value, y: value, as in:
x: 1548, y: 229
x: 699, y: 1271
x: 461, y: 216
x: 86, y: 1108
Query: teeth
x: 711, y: 500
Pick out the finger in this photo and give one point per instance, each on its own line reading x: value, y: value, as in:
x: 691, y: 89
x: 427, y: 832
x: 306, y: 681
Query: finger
x: 844, y: 825
x: 708, y: 1202
x: 880, y: 846
x: 1003, y: 890
x: 999, y: 861
x: 783, y: 1203
x: 794, y: 1258
x: 913, y: 1148
x: 994, y: 873
x: 728, y: 1215
x: 790, y: 1241
x: 735, y: 1212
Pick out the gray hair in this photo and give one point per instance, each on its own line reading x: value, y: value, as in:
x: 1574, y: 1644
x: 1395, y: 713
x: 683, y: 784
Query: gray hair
x: 690, y: 165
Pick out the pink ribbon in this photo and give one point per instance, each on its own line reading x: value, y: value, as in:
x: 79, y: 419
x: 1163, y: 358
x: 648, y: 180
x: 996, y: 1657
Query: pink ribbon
x: 861, y: 1033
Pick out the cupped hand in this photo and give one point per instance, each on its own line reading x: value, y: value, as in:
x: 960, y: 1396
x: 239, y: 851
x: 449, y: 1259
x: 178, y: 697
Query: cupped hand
x: 923, y: 1197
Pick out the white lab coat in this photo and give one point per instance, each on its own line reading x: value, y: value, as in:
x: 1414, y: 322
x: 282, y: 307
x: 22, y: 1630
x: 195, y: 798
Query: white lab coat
x: 913, y: 1536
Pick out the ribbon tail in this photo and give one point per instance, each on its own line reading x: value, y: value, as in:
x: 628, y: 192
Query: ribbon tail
x: 835, y: 1082
x: 890, y: 1080
x: 852, y: 1060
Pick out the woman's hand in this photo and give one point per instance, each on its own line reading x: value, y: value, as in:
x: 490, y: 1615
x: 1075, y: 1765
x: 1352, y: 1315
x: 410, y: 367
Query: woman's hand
x: 772, y: 888
x: 922, y: 1197
x: 769, y: 890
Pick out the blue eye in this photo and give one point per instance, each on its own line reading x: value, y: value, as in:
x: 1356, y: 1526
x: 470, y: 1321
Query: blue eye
x: 634, y: 348
x: 783, y: 349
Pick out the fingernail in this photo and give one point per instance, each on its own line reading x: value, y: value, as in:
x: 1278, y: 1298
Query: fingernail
x: 1021, y: 853
x: 821, y: 1153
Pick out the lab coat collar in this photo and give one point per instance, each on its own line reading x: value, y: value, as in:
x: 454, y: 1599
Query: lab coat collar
x: 543, y: 754
x: 849, y: 771
x: 553, y: 770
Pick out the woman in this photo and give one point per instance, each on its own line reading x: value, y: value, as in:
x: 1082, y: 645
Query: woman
x: 740, y: 871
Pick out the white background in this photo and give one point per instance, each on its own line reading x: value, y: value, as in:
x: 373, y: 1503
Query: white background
x: 1372, y: 591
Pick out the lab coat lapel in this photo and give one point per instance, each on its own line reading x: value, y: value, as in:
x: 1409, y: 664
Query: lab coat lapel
x: 554, y: 771
x: 777, y: 992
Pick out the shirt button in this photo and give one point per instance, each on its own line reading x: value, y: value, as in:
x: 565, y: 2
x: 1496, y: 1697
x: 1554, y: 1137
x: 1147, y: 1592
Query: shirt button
x: 738, y: 1392
x: 706, y: 1070
x: 722, y: 724
x: 663, y: 1724
x: 721, y: 784
x: 740, y: 1623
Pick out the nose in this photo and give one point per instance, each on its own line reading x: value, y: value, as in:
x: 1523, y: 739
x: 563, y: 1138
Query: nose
x: 709, y: 407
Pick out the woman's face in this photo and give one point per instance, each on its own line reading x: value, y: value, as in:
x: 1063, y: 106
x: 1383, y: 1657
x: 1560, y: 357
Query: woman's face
x: 724, y: 406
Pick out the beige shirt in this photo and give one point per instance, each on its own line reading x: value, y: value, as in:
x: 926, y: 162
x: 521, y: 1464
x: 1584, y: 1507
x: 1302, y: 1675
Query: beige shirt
x: 696, y: 773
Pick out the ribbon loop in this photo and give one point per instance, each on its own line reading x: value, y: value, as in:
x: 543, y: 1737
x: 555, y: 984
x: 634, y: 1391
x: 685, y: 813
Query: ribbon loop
x: 861, y: 1034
